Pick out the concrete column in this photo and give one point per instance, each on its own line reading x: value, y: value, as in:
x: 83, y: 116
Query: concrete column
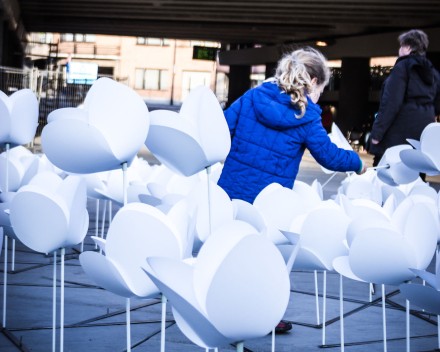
x: 270, y: 69
x: 353, y: 93
x: 2, y: 23
x: 239, y: 82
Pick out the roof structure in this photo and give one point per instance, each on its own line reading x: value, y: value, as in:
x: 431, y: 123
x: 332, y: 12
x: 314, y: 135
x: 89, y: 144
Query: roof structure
x: 230, y: 21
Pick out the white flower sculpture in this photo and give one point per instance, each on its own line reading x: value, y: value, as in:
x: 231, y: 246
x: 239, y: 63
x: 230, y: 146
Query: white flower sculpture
x: 381, y: 251
x: 278, y: 206
x: 219, y: 300
x: 109, y: 131
x: 138, y: 231
x: 322, y: 234
x: 221, y: 210
x: 199, y: 134
x: 23, y: 166
x: 366, y: 186
x: 425, y: 157
x: 337, y: 138
x: 397, y: 172
x: 5, y: 219
x: 50, y: 213
x: 425, y: 297
x: 18, y: 117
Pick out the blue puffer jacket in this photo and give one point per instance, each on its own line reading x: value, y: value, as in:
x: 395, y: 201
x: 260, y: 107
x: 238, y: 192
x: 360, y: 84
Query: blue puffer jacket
x: 268, y: 142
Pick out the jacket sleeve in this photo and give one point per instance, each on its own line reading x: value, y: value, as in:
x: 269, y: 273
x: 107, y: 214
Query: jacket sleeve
x: 327, y: 153
x: 232, y: 114
x: 391, y: 101
x: 437, y: 95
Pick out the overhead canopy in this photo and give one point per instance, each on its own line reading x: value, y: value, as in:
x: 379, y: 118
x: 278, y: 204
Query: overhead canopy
x: 230, y: 21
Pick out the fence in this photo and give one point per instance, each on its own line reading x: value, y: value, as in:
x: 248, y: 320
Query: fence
x: 51, y: 88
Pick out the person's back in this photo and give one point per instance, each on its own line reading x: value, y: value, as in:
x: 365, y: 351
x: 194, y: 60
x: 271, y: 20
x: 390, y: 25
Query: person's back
x: 271, y: 126
x: 410, y: 97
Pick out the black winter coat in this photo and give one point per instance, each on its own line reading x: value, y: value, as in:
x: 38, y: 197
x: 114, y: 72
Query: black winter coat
x: 410, y: 100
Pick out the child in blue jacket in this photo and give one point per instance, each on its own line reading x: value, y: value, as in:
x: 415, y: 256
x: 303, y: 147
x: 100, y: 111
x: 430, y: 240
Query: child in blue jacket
x: 273, y: 124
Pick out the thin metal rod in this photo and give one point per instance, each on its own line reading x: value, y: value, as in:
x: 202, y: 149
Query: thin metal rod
x: 5, y: 281
x: 240, y: 347
x: 317, y: 297
x: 341, y: 311
x: 273, y: 340
x: 97, y: 221
x: 387, y: 166
x: 110, y: 213
x: 438, y: 330
x: 330, y: 178
x: 63, y: 252
x: 54, y: 303
x: 103, y: 223
x: 384, y: 320
x: 208, y: 176
x: 5, y: 274
x: 7, y: 168
x: 324, y: 298
x: 408, y: 347
x: 124, y: 180
x: 127, y: 309
x: 162, y: 336
x: 370, y: 287
x: 13, y: 255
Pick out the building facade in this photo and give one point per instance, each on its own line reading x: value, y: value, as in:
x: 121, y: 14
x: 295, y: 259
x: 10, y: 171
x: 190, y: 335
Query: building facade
x: 161, y: 70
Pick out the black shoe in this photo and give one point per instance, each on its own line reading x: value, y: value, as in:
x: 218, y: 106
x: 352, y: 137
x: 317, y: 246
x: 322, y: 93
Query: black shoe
x: 283, y: 326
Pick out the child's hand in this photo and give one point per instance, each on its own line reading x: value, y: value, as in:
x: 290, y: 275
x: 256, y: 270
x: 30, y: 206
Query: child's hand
x: 363, y: 170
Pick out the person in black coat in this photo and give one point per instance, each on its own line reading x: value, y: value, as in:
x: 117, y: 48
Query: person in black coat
x: 410, y: 97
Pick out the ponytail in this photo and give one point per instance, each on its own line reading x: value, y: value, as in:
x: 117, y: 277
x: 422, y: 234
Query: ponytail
x: 295, y: 72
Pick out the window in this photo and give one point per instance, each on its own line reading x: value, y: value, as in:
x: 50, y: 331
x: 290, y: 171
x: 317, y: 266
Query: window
x: 153, y: 41
x: 151, y: 79
x: 193, y: 79
x: 78, y: 37
x: 67, y: 37
x: 90, y: 38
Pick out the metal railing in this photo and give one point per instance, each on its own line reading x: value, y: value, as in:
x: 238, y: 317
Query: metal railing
x: 51, y: 88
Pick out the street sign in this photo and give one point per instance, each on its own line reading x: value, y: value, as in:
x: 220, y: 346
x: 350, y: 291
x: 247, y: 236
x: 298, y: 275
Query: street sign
x: 204, y: 53
x: 81, y: 72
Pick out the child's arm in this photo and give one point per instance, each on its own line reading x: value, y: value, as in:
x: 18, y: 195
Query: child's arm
x: 328, y: 154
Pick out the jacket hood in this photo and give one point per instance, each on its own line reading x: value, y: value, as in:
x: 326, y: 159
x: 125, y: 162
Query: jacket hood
x: 422, y: 66
x: 274, y: 109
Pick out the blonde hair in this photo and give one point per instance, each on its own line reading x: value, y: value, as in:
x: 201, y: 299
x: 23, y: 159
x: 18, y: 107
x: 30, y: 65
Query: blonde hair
x: 295, y: 72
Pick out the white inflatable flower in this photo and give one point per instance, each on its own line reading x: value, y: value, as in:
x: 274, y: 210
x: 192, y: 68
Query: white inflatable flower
x: 18, y: 117
x: 138, y: 231
x: 221, y: 210
x: 50, y: 213
x: 278, y: 206
x: 382, y: 251
x: 425, y: 157
x: 425, y: 297
x: 219, y: 300
x: 199, y: 134
x: 107, y: 132
x: 397, y: 172
x: 322, y: 234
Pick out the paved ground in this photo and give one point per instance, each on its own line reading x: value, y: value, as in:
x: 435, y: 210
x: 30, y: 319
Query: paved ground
x: 29, y: 313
